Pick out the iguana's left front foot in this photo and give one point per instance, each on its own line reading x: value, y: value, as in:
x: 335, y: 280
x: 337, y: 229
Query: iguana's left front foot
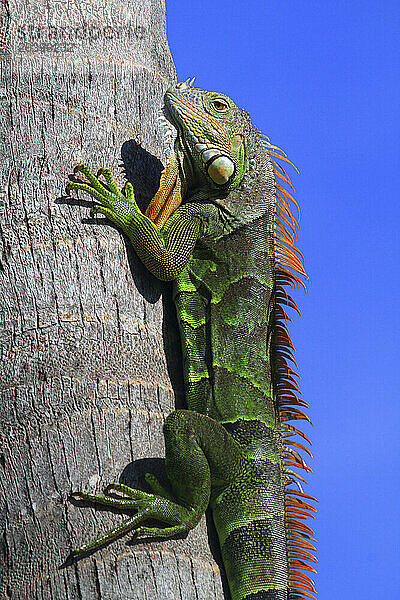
x: 159, y: 506
x: 111, y: 202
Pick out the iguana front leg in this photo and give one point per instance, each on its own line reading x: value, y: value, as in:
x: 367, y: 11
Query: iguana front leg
x: 164, y: 252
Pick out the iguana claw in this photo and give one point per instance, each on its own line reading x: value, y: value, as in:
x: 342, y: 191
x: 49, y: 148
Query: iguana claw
x: 148, y: 506
x: 110, y: 201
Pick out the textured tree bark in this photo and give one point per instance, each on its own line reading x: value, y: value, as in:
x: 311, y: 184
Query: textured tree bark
x: 85, y: 384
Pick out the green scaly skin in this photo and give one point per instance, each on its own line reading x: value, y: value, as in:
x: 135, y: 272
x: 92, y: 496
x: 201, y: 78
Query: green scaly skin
x: 218, y: 248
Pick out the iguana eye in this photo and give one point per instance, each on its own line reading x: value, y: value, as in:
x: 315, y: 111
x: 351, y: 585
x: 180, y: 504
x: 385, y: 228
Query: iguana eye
x: 219, y: 106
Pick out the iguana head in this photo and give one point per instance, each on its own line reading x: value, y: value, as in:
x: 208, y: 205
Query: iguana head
x: 210, y: 137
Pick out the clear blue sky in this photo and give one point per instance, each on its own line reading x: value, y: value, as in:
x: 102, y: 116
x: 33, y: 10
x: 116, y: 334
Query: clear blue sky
x: 321, y: 79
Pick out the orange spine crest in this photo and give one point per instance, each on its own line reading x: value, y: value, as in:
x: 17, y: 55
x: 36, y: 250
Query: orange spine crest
x: 289, y: 272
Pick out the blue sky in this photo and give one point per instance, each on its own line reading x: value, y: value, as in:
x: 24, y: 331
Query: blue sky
x: 321, y: 79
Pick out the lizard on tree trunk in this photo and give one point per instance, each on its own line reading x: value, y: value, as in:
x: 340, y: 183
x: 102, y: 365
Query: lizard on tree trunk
x: 221, y: 227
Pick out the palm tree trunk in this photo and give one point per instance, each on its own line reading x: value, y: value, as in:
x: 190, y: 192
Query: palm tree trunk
x: 85, y: 384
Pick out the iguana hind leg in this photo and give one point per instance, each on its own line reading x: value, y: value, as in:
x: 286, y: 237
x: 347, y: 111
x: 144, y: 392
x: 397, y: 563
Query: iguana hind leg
x: 197, y: 450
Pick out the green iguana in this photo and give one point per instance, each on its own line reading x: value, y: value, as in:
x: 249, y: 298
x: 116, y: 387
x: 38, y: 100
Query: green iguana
x: 220, y: 226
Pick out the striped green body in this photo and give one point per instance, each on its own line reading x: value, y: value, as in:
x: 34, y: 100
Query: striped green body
x: 224, y: 306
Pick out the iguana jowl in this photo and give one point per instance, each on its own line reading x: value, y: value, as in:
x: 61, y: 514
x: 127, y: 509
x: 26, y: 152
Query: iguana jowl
x: 221, y: 227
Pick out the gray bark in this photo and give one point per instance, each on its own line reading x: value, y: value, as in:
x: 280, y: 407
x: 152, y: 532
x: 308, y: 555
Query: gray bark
x: 85, y: 384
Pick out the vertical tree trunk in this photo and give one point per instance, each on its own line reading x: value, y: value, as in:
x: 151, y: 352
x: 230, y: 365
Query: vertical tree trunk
x: 84, y: 380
